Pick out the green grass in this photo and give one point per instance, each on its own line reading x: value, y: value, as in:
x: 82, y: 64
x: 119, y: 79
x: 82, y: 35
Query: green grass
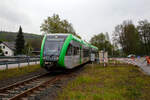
x: 108, y: 83
x: 4, y: 74
x: 114, y: 61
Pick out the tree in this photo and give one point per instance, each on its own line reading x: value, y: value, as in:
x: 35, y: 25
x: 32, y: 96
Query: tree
x: 127, y: 36
x: 107, y: 36
x: 36, y: 45
x: 101, y: 41
x: 28, y: 48
x: 144, y: 31
x: 1, y: 52
x: 20, y: 42
x: 55, y: 25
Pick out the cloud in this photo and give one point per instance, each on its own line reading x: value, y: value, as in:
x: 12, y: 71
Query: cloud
x: 12, y: 14
x: 11, y: 17
x: 88, y: 17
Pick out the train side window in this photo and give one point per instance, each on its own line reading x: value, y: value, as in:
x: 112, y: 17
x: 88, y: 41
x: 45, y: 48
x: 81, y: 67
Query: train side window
x: 76, y: 51
x: 72, y: 50
x: 69, y: 50
x: 85, y: 53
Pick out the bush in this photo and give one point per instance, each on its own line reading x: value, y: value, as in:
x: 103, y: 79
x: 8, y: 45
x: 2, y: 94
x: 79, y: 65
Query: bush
x: 1, y: 52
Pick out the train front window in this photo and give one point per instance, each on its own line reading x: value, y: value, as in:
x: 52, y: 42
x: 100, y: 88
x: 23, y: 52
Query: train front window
x: 53, y: 46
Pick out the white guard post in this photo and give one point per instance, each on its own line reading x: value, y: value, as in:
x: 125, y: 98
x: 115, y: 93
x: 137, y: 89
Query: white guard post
x: 103, y: 56
x: 92, y: 58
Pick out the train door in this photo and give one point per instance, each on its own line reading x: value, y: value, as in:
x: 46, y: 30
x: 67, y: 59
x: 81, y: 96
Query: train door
x: 69, y: 56
x: 80, y: 51
x: 72, y: 57
x: 82, y: 58
x: 76, y: 53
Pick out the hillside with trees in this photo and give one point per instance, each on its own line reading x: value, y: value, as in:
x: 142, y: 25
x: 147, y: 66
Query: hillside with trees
x: 11, y: 36
x: 31, y: 40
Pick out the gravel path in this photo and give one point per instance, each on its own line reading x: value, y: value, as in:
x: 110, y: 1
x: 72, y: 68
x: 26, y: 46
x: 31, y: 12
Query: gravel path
x: 140, y: 62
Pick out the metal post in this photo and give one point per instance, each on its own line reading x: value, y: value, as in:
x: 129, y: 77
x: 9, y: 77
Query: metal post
x: 18, y: 64
x: 28, y: 61
x: 6, y: 66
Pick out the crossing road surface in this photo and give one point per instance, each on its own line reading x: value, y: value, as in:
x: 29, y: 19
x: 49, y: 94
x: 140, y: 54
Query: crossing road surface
x: 2, y: 67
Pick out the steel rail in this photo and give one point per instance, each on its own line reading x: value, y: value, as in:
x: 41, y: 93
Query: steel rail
x: 30, y: 91
x: 20, y: 83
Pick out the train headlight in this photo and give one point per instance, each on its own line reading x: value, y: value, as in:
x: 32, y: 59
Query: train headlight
x: 44, y: 58
x: 46, y: 62
x: 57, y: 58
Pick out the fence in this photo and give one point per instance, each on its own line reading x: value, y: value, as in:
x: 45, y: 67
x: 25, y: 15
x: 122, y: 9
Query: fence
x: 18, y: 60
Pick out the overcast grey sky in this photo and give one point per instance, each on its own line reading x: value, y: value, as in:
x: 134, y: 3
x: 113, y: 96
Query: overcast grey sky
x: 88, y: 17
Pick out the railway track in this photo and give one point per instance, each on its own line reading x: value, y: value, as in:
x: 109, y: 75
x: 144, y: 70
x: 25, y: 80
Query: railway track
x: 31, y: 87
x: 23, y: 89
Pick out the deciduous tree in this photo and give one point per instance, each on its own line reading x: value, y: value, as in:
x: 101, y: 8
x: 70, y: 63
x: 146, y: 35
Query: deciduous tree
x: 144, y: 31
x: 1, y: 52
x: 55, y: 25
x: 28, y: 49
x: 101, y: 41
x: 127, y: 36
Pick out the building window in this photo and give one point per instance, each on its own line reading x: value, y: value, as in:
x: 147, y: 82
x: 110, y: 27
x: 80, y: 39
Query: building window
x: 85, y: 52
x: 3, y: 47
x: 6, y: 52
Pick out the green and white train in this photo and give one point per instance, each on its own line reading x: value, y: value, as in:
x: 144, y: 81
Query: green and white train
x: 65, y: 51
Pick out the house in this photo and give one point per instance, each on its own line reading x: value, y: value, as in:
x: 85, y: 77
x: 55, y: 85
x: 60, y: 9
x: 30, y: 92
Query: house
x: 8, y: 48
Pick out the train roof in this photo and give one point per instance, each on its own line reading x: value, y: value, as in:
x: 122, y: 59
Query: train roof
x: 94, y: 47
x: 65, y: 34
x: 74, y: 38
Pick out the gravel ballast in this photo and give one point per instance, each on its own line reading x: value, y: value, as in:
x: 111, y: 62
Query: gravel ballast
x: 51, y: 91
x: 10, y: 81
